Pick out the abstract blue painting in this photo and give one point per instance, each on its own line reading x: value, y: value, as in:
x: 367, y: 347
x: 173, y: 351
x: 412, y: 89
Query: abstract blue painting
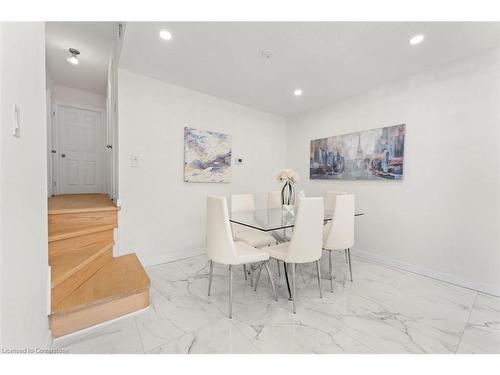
x: 207, y: 156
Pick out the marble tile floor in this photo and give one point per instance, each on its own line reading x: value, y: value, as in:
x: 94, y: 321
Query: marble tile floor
x: 384, y: 310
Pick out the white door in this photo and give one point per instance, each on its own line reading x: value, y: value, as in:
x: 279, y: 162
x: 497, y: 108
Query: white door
x: 81, y: 150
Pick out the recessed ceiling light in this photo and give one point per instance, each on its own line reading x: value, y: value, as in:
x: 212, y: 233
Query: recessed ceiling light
x: 165, y: 35
x: 297, y: 92
x: 416, y: 39
x: 73, y: 57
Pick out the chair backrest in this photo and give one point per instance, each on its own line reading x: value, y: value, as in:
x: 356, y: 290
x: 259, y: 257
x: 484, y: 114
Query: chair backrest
x: 331, y: 195
x: 220, y: 244
x: 341, y: 234
x: 242, y: 202
x: 274, y: 199
x: 301, y: 195
x: 307, y: 238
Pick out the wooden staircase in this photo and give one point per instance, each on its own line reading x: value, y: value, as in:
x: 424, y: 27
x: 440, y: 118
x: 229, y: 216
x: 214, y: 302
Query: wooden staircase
x: 89, y: 286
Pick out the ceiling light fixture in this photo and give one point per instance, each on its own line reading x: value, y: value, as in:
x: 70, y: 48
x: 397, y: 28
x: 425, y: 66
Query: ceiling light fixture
x: 165, y: 35
x: 297, y: 92
x: 417, y: 39
x: 73, y: 58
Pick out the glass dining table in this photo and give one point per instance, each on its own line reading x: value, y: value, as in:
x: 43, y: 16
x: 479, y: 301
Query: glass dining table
x: 275, y: 221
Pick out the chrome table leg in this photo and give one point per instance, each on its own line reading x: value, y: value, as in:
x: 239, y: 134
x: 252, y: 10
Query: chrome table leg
x: 330, y: 268
x: 210, y: 276
x: 230, y: 292
x: 293, y: 288
x: 318, y: 268
x: 287, y: 282
x: 258, y: 277
x: 271, y: 280
x: 350, y: 266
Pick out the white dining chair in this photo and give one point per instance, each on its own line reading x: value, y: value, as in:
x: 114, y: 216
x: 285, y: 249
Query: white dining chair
x: 340, y: 234
x: 331, y: 195
x: 253, y: 237
x: 306, y: 242
x: 330, y: 199
x: 301, y: 195
x: 274, y: 199
x: 222, y: 249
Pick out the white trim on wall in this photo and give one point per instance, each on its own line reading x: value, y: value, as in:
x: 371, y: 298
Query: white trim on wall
x: 433, y: 274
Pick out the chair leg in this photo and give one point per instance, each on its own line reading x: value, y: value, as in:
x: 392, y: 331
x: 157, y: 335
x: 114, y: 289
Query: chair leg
x: 278, y: 264
x: 210, y: 276
x: 271, y: 280
x: 258, y: 276
x: 245, y: 271
x: 330, y: 269
x: 230, y: 292
x: 350, y: 265
x: 293, y: 288
x: 318, y: 268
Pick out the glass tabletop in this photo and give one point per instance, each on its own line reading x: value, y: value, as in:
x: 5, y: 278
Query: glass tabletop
x: 271, y: 219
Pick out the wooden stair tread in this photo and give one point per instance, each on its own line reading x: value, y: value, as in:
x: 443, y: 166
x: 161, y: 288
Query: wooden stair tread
x: 75, y: 231
x: 67, y: 264
x: 123, y: 276
x: 72, y: 203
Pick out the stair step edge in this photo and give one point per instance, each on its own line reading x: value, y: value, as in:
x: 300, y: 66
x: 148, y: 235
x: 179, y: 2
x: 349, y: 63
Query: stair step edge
x: 115, y: 296
x: 82, y: 210
x: 80, y: 231
x: 105, y: 247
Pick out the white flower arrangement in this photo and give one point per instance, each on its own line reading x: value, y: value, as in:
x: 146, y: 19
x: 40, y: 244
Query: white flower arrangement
x: 288, y: 175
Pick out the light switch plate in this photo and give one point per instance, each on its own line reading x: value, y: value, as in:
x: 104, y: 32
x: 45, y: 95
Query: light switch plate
x: 16, y: 126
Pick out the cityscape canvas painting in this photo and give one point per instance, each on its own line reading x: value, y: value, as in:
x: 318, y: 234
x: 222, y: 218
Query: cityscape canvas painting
x: 207, y: 156
x: 376, y: 154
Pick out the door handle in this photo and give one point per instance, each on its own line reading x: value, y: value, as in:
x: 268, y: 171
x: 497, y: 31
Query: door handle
x: 63, y: 155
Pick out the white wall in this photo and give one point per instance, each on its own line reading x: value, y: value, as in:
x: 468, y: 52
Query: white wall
x: 23, y: 188
x: 162, y: 217
x: 443, y: 218
x: 80, y: 98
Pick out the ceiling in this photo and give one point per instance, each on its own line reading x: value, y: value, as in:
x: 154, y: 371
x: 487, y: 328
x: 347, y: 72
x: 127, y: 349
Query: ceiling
x: 327, y: 60
x: 94, y: 40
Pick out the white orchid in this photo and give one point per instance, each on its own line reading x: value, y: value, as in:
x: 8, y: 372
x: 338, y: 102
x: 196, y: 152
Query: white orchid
x: 288, y: 175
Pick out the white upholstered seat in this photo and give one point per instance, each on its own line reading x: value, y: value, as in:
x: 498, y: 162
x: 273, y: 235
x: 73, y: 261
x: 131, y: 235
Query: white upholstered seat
x: 221, y: 248
x: 246, y: 254
x: 306, y: 242
x: 339, y: 235
x: 253, y: 237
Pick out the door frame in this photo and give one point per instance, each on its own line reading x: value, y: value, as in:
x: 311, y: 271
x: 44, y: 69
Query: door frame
x: 50, y: 142
x: 56, y: 142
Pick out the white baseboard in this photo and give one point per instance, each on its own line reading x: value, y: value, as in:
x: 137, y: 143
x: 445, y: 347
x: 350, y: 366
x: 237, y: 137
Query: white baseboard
x: 446, y: 277
x: 170, y: 256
